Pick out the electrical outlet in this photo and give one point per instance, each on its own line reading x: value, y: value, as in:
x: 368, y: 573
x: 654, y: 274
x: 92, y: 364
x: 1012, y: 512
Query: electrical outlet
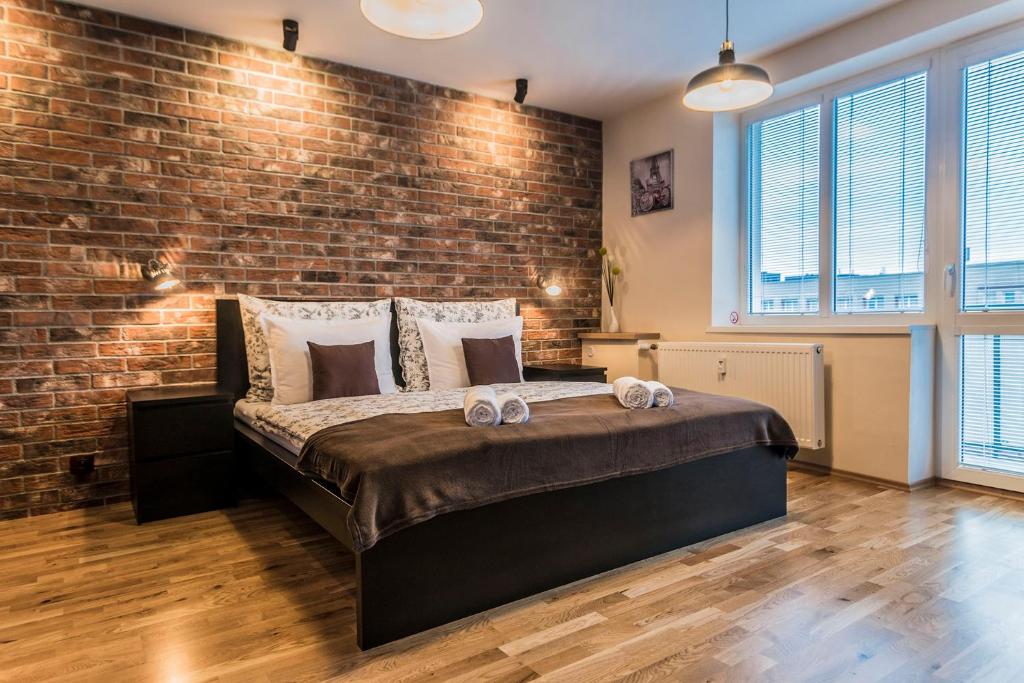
x: 82, y: 465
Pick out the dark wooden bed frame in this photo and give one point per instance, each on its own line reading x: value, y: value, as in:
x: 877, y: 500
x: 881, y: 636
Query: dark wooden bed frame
x: 461, y: 563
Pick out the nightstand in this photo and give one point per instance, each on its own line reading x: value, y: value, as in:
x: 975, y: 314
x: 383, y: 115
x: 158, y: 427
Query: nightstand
x: 182, y: 451
x: 564, y: 372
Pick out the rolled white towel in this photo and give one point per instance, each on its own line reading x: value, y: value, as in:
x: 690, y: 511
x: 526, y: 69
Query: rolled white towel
x: 514, y: 409
x: 633, y: 393
x: 663, y: 396
x: 481, y: 407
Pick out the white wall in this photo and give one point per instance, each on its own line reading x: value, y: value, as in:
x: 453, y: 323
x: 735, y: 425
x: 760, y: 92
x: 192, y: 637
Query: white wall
x: 667, y: 256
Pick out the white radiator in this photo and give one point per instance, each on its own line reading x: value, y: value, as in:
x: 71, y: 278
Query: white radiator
x: 787, y: 377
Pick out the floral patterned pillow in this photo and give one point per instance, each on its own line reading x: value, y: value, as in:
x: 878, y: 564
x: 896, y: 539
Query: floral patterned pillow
x: 256, y: 351
x: 410, y: 345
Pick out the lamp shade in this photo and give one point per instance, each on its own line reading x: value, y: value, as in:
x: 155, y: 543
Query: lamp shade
x: 728, y: 86
x: 423, y: 19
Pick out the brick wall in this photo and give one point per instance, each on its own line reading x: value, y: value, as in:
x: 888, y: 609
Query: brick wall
x: 250, y: 170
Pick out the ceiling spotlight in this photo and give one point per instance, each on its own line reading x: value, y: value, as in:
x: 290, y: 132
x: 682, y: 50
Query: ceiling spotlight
x: 159, y: 274
x: 729, y: 85
x: 521, y: 84
x: 423, y: 19
x: 291, y: 34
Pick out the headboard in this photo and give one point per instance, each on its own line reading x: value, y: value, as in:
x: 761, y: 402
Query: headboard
x: 232, y: 367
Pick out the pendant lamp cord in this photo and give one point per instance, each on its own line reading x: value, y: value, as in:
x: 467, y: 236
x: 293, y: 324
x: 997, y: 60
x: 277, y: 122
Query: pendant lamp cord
x: 727, y: 20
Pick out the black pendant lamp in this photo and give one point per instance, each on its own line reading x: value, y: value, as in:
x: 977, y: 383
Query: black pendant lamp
x: 729, y: 85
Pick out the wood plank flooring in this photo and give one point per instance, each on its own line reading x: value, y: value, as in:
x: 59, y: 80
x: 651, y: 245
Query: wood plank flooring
x: 858, y: 582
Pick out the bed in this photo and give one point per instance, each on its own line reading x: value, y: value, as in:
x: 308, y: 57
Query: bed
x: 422, y: 567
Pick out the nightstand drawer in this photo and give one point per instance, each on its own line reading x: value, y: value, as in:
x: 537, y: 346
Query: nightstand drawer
x: 183, y: 486
x: 161, y: 431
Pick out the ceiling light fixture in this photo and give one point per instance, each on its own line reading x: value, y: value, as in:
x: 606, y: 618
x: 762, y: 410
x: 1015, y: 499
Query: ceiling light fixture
x: 423, y: 19
x: 291, y: 34
x: 729, y: 85
x: 521, y: 85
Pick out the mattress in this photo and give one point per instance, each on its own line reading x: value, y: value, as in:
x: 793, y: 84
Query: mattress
x: 291, y: 425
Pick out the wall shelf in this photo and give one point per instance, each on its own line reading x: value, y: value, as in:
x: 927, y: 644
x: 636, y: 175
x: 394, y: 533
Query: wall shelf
x: 618, y: 336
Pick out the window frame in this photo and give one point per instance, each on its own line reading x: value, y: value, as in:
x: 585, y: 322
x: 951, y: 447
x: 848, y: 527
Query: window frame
x: 961, y: 56
x: 825, y: 97
x: 785, y: 107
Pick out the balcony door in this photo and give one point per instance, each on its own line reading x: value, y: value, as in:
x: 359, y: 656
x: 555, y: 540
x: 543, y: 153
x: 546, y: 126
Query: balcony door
x: 982, y: 331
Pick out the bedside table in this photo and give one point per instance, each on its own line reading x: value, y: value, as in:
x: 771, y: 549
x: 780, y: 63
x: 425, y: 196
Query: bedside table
x: 564, y: 372
x: 182, y: 451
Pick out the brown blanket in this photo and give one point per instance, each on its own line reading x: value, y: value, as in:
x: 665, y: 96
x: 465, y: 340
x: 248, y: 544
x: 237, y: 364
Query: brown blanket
x: 397, y: 470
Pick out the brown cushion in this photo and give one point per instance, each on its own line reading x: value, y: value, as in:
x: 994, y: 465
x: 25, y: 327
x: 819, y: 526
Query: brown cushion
x: 491, y: 361
x: 343, y: 370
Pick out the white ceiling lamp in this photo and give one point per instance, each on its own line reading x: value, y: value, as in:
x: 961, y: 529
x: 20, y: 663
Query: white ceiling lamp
x: 424, y: 19
x: 729, y: 85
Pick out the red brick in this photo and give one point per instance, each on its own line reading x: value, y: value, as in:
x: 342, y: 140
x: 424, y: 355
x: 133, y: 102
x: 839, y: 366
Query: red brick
x: 249, y: 170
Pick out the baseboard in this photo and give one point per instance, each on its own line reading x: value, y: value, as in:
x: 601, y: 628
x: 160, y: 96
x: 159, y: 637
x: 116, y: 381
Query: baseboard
x: 825, y: 470
x: 978, y: 488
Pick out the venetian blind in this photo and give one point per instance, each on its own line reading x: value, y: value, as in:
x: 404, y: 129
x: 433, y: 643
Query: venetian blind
x: 992, y: 402
x: 880, y: 197
x: 993, y: 219
x: 783, y: 213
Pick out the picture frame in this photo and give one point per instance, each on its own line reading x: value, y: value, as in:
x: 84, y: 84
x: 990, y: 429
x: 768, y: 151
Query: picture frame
x: 651, y: 183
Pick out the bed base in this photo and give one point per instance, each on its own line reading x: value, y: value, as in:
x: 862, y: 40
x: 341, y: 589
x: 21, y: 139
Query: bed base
x: 461, y: 563
x: 465, y: 562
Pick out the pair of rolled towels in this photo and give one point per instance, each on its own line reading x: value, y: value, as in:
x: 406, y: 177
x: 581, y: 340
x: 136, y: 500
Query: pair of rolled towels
x: 636, y: 393
x: 486, y: 408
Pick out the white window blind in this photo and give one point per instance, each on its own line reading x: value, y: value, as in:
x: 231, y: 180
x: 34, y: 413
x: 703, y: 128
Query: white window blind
x: 880, y: 198
x: 782, y: 272
x: 992, y: 402
x: 993, y: 223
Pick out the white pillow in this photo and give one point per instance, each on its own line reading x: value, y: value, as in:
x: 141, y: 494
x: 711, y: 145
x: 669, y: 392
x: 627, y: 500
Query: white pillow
x: 442, y: 344
x: 256, y: 354
x: 291, y: 372
x: 410, y: 346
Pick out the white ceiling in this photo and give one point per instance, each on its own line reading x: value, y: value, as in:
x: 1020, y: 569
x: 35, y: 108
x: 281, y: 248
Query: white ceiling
x: 590, y: 57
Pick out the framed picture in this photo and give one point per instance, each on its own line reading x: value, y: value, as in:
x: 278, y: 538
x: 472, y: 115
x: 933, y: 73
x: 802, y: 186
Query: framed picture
x: 650, y: 183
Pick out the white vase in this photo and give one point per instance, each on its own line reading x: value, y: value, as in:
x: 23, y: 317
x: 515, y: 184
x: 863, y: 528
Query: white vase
x: 613, y: 320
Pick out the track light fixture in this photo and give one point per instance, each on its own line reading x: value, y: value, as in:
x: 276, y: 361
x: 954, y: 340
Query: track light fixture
x: 521, y: 84
x: 291, y: 34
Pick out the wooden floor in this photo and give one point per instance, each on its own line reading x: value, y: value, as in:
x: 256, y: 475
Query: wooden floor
x: 859, y: 582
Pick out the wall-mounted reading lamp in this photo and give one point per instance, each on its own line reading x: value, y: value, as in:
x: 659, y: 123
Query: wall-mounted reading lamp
x: 159, y: 274
x: 550, y: 286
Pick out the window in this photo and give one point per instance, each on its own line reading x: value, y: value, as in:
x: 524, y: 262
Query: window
x: 992, y: 402
x: 875, y: 183
x: 782, y: 254
x: 993, y: 177
x: 880, y: 196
